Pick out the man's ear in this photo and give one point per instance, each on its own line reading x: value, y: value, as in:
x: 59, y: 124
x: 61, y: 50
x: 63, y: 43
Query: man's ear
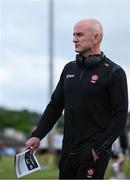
x: 96, y: 38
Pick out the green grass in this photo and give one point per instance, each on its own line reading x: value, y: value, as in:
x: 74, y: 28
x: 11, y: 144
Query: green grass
x: 7, y: 170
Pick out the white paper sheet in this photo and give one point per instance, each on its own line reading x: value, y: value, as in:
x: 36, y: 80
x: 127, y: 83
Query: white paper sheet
x: 26, y: 163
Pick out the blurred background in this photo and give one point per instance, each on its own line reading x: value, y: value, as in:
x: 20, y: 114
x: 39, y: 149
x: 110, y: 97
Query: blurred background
x: 35, y: 44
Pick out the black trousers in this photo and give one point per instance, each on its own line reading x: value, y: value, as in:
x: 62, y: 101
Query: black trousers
x: 83, y: 166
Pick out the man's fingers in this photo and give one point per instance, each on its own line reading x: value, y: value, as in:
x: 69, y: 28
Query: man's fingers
x: 95, y: 156
x: 32, y: 144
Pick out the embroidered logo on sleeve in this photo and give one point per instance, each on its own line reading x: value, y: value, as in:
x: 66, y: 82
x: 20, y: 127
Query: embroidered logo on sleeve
x: 106, y: 64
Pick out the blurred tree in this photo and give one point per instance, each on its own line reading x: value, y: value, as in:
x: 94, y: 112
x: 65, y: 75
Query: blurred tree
x: 60, y: 123
x: 128, y: 123
x: 21, y: 120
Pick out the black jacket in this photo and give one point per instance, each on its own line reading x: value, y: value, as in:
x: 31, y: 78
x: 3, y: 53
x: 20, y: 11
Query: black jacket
x: 95, y: 104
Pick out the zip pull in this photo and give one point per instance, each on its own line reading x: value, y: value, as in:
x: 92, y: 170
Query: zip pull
x: 81, y: 74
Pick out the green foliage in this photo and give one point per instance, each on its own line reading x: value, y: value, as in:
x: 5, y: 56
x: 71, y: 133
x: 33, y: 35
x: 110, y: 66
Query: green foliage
x: 128, y: 123
x: 60, y: 122
x: 21, y: 120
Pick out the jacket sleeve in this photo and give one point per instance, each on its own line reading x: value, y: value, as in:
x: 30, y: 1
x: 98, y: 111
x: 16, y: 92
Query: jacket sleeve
x: 118, y: 96
x: 52, y: 112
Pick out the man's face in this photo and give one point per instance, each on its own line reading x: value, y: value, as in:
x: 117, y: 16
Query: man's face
x: 83, y: 39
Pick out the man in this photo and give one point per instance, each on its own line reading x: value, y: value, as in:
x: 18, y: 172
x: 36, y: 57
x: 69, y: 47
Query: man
x: 92, y: 91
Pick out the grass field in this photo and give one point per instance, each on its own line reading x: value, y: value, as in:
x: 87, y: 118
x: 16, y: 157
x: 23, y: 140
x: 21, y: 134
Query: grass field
x: 7, y: 170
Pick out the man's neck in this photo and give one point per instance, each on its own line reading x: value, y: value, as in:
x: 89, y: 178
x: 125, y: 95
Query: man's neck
x: 92, y: 52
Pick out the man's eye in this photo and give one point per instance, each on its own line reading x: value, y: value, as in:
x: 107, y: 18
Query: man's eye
x: 79, y: 34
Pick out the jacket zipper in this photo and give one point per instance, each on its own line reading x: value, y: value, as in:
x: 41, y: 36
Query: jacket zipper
x: 81, y: 74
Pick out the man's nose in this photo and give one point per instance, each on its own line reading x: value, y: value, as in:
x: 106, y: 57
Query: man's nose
x: 75, y: 39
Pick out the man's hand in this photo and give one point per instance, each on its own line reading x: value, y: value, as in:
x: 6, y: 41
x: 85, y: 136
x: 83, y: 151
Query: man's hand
x: 95, y: 156
x: 32, y: 144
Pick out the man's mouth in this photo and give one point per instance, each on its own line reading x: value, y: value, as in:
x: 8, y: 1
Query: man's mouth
x: 76, y: 46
